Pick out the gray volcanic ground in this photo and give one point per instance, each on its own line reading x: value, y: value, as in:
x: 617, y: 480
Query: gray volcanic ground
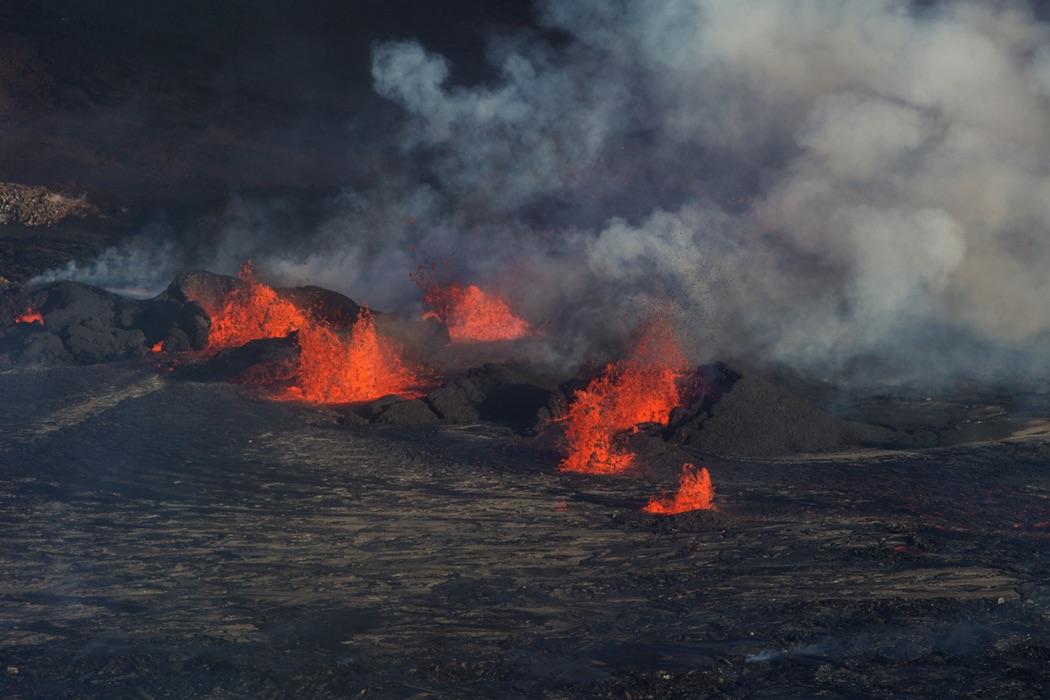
x: 172, y: 539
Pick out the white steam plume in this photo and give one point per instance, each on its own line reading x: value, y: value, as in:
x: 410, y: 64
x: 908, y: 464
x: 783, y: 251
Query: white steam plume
x: 818, y: 182
x: 815, y: 178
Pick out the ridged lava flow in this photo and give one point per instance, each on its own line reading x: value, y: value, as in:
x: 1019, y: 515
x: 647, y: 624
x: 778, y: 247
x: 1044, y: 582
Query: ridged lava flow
x: 642, y: 389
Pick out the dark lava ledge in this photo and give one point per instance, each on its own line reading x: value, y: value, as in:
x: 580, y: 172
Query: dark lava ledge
x: 738, y: 413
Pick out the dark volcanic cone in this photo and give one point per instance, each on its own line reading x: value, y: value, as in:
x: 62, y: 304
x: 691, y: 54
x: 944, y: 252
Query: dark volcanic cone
x: 745, y: 414
x: 206, y: 288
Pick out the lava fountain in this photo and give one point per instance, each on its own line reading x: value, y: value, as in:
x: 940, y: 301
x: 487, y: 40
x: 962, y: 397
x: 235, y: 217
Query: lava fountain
x: 330, y: 368
x: 470, y: 313
x: 365, y: 367
x: 695, y: 492
x: 251, y: 311
x: 641, y: 389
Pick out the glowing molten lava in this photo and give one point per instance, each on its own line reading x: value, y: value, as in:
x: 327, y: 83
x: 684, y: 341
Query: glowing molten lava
x: 366, y: 367
x: 641, y: 389
x: 470, y: 313
x: 157, y: 346
x: 30, y: 316
x: 694, y: 493
x: 331, y: 369
x: 251, y: 311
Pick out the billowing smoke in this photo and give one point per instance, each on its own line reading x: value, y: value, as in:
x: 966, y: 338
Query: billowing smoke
x: 841, y: 185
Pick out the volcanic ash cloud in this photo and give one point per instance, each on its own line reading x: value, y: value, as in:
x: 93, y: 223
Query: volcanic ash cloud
x: 819, y: 183
x: 812, y: 181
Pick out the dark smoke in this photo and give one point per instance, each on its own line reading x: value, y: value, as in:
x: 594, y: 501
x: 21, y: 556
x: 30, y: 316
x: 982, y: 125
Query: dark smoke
x: 856, y: 188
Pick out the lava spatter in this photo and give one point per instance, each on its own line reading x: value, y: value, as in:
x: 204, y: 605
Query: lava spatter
x: 641, y: 389
x: 251, y: 311
x: 335, y: 370
x: 29, y: 316
x: 469, y: 312
x: 695, y: 492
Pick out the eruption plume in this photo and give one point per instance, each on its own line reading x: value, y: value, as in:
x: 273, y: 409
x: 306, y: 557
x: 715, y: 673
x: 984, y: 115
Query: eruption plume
x: 642, y: 389
x: 694, y: 493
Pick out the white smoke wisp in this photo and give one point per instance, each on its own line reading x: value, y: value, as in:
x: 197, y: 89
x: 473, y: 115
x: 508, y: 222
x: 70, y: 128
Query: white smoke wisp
x: 135, y: 269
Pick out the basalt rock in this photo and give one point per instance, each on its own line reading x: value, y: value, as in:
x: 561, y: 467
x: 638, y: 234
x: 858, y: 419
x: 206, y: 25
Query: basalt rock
x: 83, y: 324
x: 179, y: 326
x: 25, y: 346
x: 511, y: 395
x: 263, y: 361
x: 323, y: 305
x: 205, y: 288
x: 413, y: 412
x: 745, y: 414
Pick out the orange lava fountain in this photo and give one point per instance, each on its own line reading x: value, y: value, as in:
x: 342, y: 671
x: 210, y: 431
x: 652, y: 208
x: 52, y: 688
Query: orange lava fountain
x: 252, y: 311
x: 332, y: 370
x: 641, y: 389
x: 469, y: 312
x: 30, y: 315
x: 695, y: 492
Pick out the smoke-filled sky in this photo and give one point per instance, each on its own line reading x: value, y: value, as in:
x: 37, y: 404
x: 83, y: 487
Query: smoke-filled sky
x: 857, y: 188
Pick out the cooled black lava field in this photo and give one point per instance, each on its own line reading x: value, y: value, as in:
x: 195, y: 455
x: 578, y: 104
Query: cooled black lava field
x: 173, y: 539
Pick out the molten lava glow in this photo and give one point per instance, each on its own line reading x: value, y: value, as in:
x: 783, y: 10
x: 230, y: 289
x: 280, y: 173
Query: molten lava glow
x: 157, y: 346
x: 641, y: 389
x: 694, y: 493
x: 332, y: 370
x: 30, y: 316
x: 252, y: 311
x: 470, y: 313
